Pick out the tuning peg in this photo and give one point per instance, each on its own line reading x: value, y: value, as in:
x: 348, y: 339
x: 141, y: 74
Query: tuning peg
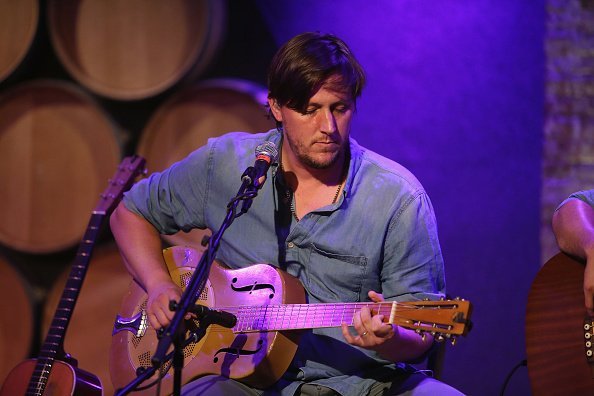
x: 423, y: 336
x: 439, y: 338
x: 453, y: 341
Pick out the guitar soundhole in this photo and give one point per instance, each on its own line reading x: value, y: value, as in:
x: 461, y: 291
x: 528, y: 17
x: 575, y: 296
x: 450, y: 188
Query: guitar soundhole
x: 188, y: 351
x: 185, y: 279
x: 135, y: 341
x: 145, y: 359
x: 237, y: 348
x: 204, y: 295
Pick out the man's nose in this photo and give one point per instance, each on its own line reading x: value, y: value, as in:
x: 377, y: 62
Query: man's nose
x: 328, y: 122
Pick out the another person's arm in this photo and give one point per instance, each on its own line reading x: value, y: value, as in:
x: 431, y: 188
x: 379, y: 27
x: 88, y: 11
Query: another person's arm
x: 573, y: 226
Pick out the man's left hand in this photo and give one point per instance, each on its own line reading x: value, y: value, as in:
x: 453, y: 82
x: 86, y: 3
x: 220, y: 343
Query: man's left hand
x: 371, y: 330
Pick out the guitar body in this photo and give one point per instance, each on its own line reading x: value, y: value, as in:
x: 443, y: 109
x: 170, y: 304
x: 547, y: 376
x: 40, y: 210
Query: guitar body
x: 556, y: 335
x: 256, y: 358
x: 64, y: 380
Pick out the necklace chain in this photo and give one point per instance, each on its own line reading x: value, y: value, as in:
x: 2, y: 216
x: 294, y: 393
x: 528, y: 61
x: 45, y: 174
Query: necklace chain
x: 291, y: 196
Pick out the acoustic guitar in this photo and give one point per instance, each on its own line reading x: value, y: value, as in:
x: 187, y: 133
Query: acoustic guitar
x: 559, y: 333
x: 270, y: 306
x: 54, y: 372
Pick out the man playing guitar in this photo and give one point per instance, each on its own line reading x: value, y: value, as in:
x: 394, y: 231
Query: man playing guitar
x: 350, y: 224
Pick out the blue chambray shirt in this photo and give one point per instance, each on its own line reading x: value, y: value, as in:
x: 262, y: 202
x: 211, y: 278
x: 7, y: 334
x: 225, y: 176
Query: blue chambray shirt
x: 380, y: 235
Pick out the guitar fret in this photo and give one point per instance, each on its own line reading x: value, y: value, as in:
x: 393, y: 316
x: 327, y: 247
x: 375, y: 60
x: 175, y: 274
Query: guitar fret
x: 260, y: 319
x: 313, y: 316
x: 282, y: 314
x: 269, y: 317
x: 279, y: 317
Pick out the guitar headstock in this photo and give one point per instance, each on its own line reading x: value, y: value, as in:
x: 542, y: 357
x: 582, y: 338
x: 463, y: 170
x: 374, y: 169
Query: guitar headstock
x: 130, y: 168
x: 443, y: 319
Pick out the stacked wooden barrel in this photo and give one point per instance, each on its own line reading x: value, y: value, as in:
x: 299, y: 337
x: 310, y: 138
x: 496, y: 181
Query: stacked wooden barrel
x: 68, y: 71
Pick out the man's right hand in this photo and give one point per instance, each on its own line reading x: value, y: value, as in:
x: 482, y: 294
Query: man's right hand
x: 157, y: 307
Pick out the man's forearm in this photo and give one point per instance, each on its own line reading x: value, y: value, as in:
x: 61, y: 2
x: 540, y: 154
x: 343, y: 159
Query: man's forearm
x: 405, y: 346
x: 140, y: 246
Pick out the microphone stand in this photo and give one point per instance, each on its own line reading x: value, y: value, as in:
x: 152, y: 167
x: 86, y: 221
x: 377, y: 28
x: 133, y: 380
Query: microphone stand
x: 175, y: 332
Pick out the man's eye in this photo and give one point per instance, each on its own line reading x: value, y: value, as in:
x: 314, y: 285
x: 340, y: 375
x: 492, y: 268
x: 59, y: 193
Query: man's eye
x: 341, y: 109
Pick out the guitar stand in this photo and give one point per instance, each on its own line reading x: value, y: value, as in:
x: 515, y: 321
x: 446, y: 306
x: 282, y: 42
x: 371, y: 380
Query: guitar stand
x: 175, y: 332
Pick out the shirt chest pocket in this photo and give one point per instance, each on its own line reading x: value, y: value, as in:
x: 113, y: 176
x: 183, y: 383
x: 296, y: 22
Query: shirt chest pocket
x: 334, y: 277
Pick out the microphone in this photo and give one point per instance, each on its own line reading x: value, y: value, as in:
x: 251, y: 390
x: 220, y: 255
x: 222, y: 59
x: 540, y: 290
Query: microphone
x: 212, y: 316
x: 266, y: 155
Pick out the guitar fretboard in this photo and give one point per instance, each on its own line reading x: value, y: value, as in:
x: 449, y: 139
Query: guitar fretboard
x: 303, y: 316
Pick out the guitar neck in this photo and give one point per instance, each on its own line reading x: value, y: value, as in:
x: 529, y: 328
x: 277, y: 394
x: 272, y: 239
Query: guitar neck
x: 73, y: 285
x: 53, y: 347
x: 444, y: 318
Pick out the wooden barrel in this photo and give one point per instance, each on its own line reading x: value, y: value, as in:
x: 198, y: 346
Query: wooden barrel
x: 57, y: 151
x: 135, y: 49
x: 18, y: 24
x: 193, y: 115
x: 16, y: 321
x: 88, y: 338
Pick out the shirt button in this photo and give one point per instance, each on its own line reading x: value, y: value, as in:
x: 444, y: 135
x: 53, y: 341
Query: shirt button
x: 290, y: 245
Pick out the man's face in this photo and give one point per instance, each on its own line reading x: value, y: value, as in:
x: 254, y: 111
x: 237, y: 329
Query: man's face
x: 318, y: 137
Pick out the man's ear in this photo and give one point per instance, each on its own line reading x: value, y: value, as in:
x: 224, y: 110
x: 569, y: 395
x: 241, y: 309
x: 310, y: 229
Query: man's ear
x: 275, y: 109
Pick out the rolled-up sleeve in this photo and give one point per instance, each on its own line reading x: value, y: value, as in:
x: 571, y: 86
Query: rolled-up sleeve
x: 413, y: 266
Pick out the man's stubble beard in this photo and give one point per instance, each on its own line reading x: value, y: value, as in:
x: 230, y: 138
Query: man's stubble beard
x: 309, y: 160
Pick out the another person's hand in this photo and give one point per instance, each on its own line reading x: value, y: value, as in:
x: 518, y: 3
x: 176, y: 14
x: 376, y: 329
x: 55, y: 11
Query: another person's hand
x: 589, y: 286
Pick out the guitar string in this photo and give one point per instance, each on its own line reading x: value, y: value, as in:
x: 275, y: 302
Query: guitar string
x: 256, y: 321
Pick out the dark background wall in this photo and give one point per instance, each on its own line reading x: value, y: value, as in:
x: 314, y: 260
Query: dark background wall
x: 456, y: 94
